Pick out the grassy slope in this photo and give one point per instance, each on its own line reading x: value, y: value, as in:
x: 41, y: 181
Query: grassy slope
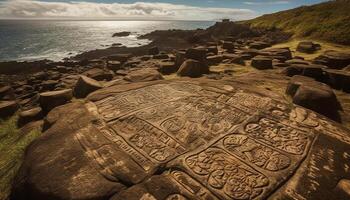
x: 329, y: 21
x: 12, y: 146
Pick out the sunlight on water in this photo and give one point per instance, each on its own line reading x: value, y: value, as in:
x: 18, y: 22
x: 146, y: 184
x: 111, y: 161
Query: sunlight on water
x: 33, y: 40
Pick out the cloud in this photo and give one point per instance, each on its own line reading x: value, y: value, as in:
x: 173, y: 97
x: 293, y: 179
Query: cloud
x: 267, y: 2
x: 30, y: 9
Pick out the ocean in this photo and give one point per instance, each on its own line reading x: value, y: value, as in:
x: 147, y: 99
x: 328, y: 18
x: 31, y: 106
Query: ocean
x: 55, y: 40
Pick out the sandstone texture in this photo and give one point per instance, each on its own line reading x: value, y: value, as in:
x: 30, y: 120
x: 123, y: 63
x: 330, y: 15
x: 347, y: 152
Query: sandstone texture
x: 196, y: 139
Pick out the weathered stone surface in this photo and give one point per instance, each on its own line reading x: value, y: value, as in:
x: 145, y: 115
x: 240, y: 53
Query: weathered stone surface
x: 30, y: 115
x: 192, y: 68
x: 334, y: 59
x: 85, y: 86
x: 196, y: 139
x: 314, y: 95
x: 98, y: 74
x: 259, y: 45
x: 167, y: 67
x: 143, y: 75
x: 260, y: 62
x: 8, y: 108
x: 50, y: 100
x: 339, y: 79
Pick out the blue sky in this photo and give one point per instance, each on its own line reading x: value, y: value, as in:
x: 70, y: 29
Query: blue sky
x: 145, y: 9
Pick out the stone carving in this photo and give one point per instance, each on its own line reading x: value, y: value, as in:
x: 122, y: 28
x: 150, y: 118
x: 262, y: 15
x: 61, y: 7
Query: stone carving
x: 226, y: 175
x: 249, y: 102
x: 256, y: 153
x: 192, y: 186
x: 148, y: 139
x: 279, y: 135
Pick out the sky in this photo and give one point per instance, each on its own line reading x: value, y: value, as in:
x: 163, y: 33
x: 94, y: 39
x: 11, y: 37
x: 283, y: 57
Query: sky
x: 144, y: 9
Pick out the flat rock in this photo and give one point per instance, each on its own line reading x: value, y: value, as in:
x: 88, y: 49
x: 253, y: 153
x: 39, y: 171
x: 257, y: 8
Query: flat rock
x: 30, y: 115
x: 7, y: 93
x: 98, y: 74
x: 140, y: 75
x: 308, y: 47
x: 334, y: 59
x: 8, y: 108
x: 196, y: 139
x: 260, y: 62
x: 85, y: 86
x: 198, y: 53
x: 50, y: 100
x: 167, y: 67
x: 114, y: 65
x: 121, y: 34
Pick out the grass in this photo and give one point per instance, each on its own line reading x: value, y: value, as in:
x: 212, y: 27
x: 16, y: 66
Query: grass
x: 328, y: 21
x: 12, y: 146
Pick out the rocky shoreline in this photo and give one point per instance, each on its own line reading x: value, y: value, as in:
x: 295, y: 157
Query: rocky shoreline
x: 115, y: 87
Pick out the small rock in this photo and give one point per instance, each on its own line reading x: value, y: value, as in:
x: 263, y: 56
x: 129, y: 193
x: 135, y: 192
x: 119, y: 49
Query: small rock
x: 85, y: 86
x: 308, y: 47
x: 50, y: 100
x: 98, y: 74
x: 7, y: 93
x: 212, y: 60
x: 119, y: 57
x: 7, y: 108
x: 161, y: 56
x: 259, y: 45
x: 113, y: 65
x: 27, y: 116
x: 262, y: 63
x: 121, y: 34
x: 167, y: 68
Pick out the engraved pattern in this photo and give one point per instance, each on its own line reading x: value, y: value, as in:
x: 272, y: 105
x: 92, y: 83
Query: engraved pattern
x: 256, y: 153
x: 148, y: 139
x: 278, y: 135
x: 227, y: 175
x: 249, y: 102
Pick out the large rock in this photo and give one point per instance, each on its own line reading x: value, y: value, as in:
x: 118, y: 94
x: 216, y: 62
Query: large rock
x: 196, y: 139
x: 98, y: 74
x: 316, y: 96
x: 260, y: 62
x: 140, y: 75
x: 308, y: 47
x: 50, y: 100
x: 85, y: 86
x: 334, y: 59
x: 8, y: 108
x: 192, y: 68
x: 313, y: 71
x: 198, y: 53
x: 167, y: 67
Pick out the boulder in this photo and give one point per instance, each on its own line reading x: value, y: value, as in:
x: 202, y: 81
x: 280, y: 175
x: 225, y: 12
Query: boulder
x: 8, y: 108
x: 315, y: 96
x: 141, y: 75
x: 285, y: 52
x: 314, y: 71
x: 259, y: 45
x: 262, y: 63
x: 7, y: 93
x: 334, y: 59
x: 153, y: 50
x: 85, y: 86
x: 180, y: 57
x: 308, y: 47
x: 50, y: 100
x: 192, y: 68
x: 30, y: 115
x: 48, y: 85
x: 198, y: 54
x: 113, y: 65
x: 98, y: 74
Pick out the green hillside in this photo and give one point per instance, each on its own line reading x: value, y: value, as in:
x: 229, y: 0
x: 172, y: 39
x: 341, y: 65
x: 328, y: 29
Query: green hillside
x: 329, y: 21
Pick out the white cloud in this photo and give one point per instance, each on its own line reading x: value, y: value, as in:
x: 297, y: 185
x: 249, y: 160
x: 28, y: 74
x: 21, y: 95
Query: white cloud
x: 24, y: 9
x: 266, y: 2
